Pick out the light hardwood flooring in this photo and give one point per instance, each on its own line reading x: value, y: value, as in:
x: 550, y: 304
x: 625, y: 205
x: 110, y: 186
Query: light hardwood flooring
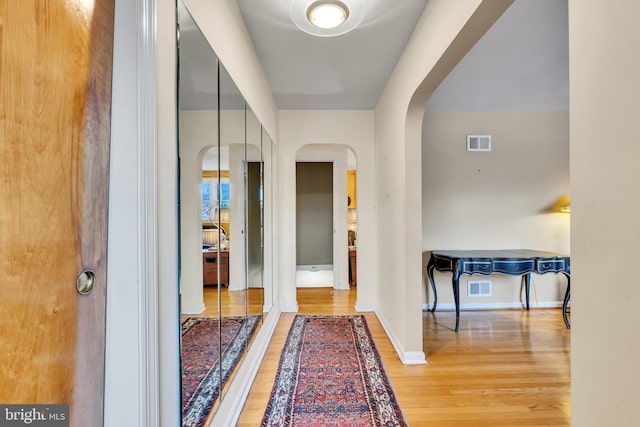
x: 503, y: 368
x: 230, y: 304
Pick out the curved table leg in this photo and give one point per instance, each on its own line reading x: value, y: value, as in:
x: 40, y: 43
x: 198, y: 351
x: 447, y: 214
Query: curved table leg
x: 455, y: 281
x: 567, y: 296
x: 430, y: 267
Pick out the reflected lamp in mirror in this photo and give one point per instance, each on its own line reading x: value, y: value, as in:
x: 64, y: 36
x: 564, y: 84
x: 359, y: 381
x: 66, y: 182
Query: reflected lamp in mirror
x: 219, y: 216
x: 217, y: 230
x: 211, y: 236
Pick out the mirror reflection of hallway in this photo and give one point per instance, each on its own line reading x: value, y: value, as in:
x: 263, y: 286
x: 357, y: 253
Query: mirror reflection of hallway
x: 226, y: 192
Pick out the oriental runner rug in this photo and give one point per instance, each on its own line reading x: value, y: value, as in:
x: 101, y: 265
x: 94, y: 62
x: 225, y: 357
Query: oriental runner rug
x: 203, y: 374
x: 331, y: 374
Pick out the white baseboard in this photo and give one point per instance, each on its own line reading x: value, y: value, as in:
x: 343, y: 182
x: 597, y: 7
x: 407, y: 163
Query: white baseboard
x: 414, y: 358
x: 193, y: 310
x: 449, y: 306
x: 407, y: 357
x: 289, y: 308
x: 365, y: 307
x: 231, y: 406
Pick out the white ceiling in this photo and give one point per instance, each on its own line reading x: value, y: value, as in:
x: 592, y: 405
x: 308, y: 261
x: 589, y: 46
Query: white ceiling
x: 342, y: 72
x: 520, y: 64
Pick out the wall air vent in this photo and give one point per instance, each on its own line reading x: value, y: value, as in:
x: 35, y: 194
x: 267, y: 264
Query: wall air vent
x: 481, y: 288
x: 478, y: 142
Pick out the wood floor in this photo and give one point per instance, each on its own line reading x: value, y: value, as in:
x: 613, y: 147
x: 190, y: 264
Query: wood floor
x: 504, y: 368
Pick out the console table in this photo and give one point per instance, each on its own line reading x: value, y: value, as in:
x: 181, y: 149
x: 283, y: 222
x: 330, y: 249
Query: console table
x: 518, y: 262
x: 212, y: 262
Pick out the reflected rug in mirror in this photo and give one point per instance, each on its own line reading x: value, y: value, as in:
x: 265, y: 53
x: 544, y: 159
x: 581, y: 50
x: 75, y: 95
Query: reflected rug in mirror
x: 331, y: 373
x: 202, y: 373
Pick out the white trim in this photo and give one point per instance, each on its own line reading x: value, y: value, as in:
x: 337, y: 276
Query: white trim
x: 234, y: 399
x: 493, y: 306
x: 366, y: 307
x: 414, y: 358
x: 341, y: 287
x: 406, y: 357
x: 289, y: 308
x: 149, y: 391
x: 196, y: 309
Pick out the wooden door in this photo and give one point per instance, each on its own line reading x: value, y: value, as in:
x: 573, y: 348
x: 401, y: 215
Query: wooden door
x: 55, y: 86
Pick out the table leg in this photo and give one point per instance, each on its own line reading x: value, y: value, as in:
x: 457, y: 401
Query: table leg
x: 455, y: 281
x: 527, y: 287
x: 567, y: 296
x: 430, y: 267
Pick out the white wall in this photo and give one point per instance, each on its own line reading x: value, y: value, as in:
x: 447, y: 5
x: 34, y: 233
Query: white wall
x: 503, y: 199
x: 344, y: 128
x: 223, y: 27
x: 123, y: 391
x: 605, y: 231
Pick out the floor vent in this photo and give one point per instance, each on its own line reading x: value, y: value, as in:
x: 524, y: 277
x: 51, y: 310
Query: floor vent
x: 479, y: 288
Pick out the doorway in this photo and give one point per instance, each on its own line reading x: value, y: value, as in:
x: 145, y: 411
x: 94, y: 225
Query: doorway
x: 314, y: 224
x: 339, y: 163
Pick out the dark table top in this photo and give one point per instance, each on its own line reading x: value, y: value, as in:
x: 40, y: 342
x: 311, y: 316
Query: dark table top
x: 499, y: 253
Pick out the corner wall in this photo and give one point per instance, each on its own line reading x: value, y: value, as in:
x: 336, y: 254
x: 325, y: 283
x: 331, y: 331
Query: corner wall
x: 443, y: 35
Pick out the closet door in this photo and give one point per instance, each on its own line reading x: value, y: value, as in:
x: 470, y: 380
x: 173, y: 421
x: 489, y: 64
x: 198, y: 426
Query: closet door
x: 254, y: 196
x: 55, y: 81
x: 202, y: 274
x: 233, y: 303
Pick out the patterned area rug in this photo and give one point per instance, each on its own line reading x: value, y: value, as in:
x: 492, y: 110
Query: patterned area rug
x: 202, y: 374
x: 331, y: 374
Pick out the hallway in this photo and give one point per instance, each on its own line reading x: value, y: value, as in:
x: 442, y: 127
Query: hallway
x: 507, y: 367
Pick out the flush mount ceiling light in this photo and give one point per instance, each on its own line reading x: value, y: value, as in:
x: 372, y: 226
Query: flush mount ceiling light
x: 327, y: 15
x: 327, y: 18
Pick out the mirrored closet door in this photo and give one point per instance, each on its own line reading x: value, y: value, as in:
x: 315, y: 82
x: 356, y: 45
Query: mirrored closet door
x: 225, y: 213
